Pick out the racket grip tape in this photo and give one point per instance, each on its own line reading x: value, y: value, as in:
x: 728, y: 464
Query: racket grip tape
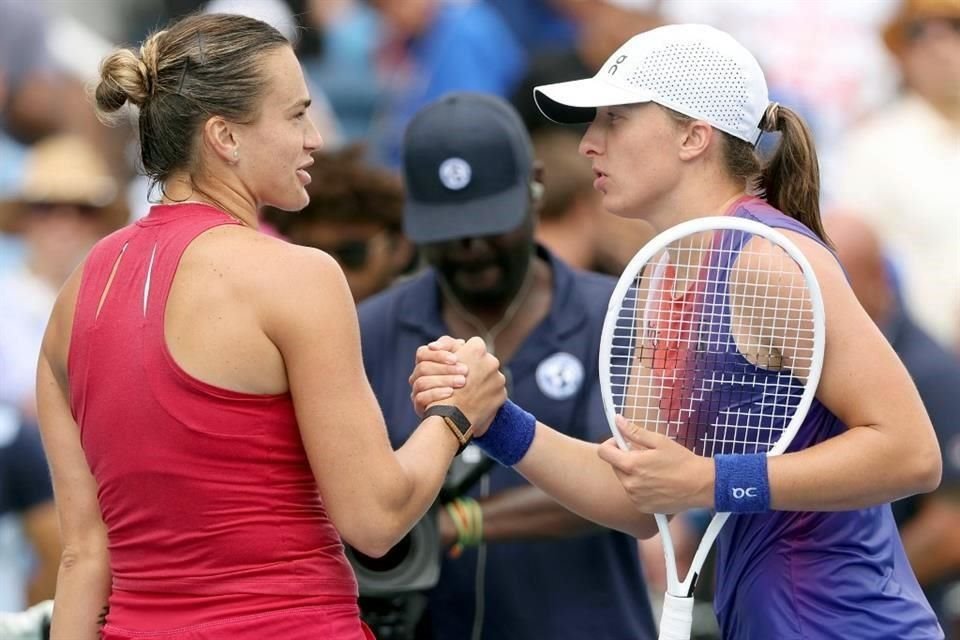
x: 509, y: 436
x: 676, y: 620
x: 741, y: 484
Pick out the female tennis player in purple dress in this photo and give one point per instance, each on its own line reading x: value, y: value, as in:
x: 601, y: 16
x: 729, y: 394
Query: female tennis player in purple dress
x: 675, y: 116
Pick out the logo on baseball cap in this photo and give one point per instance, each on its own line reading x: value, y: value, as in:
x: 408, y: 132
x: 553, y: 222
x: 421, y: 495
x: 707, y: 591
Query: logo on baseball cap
x: 694, y: 69
x: 467, y: 164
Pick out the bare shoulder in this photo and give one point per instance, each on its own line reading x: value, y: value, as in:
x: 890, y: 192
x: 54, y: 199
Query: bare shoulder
x: 760, y: 259
x: 821, y: 259
x: 260, y: 264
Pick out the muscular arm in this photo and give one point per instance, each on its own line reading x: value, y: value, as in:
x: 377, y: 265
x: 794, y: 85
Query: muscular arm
x: 571, y: 471
x: 374, y: 495
x: 83, y: 580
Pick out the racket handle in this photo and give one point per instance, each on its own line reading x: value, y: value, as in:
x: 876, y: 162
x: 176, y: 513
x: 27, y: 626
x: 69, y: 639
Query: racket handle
x: 676, y: 621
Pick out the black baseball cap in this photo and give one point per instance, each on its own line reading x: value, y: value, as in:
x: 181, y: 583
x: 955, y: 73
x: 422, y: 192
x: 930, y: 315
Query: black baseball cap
x: 467, y: 164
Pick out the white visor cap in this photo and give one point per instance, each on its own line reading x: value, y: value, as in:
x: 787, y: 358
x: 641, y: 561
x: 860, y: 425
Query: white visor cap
x: 694, y: 69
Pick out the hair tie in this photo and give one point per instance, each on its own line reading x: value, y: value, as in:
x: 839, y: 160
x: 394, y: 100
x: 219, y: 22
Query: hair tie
x: 149, y: 83
x: 149, y: 63
x: 771, y: 117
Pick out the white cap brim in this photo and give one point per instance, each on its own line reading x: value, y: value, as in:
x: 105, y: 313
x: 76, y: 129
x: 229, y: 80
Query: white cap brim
x: 576, y: 102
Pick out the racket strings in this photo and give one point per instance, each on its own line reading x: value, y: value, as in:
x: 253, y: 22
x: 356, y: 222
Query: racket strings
x: 713, y: 343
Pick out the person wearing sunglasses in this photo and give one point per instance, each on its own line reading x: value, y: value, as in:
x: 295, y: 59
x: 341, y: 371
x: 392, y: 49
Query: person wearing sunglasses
x: 354, y: 215
x: 899, y: 168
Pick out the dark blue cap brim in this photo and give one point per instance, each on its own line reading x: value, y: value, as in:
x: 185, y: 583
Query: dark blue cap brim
x: 425, y: 223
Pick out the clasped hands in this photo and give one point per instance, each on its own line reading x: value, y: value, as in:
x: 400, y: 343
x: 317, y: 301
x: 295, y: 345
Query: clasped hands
x: 464, y: 374
x: 658, y: 474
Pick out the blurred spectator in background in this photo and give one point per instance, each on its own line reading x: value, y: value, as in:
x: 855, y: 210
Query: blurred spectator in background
x: 929, y: 524
x: 29, y: 533
x: 11, y: 167
x: 538, y: 25
x: 279, y: 15
x: 433, y: 47
x: 900, y: 168
x: 67, y: 201
x: 34, y: 99
x: 346, y: 33
x: 522, y: 567
x: 355, y: 215
x: 572, y: 223
x: 44, y: 94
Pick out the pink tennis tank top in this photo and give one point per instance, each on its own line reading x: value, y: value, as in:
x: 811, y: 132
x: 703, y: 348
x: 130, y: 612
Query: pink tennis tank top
x: 216, y: 527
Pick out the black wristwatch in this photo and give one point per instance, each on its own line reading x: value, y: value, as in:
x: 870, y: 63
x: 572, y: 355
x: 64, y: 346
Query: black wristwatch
x: 458, y: 423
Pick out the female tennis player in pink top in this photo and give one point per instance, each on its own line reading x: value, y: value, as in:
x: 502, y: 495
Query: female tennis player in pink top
x: 211, y: 433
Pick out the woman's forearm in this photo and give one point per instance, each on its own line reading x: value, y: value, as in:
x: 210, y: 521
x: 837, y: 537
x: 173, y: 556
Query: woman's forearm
x: 570, y: 471
x: 860, y: 468
x: 80, y: 605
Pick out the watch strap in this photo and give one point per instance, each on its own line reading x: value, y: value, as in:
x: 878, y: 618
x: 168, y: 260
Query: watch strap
x: 455, y: 420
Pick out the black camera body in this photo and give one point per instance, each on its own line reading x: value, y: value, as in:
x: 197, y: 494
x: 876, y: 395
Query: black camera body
x: 393, y: 587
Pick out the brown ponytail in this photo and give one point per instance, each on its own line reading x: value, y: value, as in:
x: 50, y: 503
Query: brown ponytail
x: 790, y: 179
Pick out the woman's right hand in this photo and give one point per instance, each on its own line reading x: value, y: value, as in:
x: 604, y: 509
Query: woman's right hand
x: 464, y: 374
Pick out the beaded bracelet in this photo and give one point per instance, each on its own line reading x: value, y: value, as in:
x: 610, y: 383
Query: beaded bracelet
x: 467, y: 517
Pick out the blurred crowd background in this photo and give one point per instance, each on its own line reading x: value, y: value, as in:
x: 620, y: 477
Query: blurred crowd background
x: 878, y: 81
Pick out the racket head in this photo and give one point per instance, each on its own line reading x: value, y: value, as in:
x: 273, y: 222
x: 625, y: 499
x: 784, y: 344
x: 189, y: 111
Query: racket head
x: 714, y: 336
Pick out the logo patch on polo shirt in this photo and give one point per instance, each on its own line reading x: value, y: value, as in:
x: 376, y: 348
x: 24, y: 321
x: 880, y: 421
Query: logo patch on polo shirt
x: 560, y: 376
x: 455, y: 173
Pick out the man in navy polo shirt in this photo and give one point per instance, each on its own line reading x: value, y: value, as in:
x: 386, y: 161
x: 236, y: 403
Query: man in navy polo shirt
x: 537, y: 571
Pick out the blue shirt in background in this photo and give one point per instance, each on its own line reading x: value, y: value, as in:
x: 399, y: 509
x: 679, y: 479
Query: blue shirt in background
x: 536, y: 24
x: 467, y: 47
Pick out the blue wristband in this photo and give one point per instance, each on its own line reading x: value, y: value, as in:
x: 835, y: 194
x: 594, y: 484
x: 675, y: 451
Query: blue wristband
x: 509, y: 436
x: 741, y: 484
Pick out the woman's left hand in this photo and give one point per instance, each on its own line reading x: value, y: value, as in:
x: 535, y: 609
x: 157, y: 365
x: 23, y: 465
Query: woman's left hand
x: 659, y: 475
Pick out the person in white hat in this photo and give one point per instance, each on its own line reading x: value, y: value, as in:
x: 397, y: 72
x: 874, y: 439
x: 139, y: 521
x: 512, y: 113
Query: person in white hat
x: 66, y: 201
x: 675, y: 115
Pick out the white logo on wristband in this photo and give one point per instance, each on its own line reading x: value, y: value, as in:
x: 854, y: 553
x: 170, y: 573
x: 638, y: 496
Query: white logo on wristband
x: 739, y: 493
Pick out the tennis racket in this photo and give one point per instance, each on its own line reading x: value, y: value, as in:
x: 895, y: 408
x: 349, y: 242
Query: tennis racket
x: 714, y: 337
